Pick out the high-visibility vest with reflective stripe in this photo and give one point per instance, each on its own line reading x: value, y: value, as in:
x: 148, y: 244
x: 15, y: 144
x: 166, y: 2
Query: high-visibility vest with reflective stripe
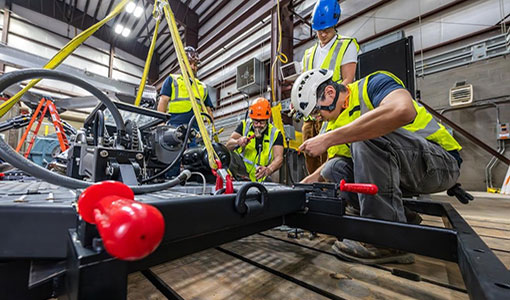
x: 332, y: 61
x: 423, y: 125
x: 179, y: 100
x: 250, y: 154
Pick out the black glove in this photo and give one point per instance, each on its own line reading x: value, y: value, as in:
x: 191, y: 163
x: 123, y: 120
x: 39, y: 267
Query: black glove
x: 463, y: 196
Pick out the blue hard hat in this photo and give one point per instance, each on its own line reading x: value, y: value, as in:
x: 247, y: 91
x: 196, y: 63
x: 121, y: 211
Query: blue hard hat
x: 326, y: 14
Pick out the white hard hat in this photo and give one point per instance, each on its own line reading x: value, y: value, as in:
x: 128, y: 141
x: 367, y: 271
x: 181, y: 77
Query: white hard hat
x: 304, y: 91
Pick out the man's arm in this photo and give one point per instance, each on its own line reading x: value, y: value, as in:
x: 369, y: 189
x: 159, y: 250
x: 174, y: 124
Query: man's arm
x: 235, y: 140
x: 394, y: 111
x: 210, y: 112
x: 348, y: 73
x: 163, y: 103
x: 273, y: 166
x: 314, y: 177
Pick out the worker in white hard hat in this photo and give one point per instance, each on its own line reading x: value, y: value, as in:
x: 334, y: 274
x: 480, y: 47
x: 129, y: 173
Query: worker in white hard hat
x: 332, y: 51
x: 376, y: 134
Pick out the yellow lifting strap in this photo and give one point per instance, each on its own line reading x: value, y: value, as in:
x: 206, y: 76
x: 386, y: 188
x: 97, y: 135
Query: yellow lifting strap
x: 148, y: 61
x: 186, y: 72
x: 61, y: 55
x: 276, y: 112
x: 157, y: 13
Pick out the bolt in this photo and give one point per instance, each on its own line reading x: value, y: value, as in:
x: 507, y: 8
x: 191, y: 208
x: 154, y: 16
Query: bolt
x: 103, y: 153
x: 139, y: 156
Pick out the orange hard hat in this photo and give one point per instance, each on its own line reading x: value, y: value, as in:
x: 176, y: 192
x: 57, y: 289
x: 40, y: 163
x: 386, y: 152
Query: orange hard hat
x: 260, y: 109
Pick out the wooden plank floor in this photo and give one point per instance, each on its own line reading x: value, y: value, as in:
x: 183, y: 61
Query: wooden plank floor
x: 272, y: 266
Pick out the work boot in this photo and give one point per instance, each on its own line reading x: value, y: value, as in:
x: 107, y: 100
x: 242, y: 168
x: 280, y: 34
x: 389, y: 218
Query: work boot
x: 370, y: 254
x: 412, y: 216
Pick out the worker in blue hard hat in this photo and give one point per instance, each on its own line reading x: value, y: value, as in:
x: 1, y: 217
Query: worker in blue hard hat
x: 176, y: 101
x: 334, y: 52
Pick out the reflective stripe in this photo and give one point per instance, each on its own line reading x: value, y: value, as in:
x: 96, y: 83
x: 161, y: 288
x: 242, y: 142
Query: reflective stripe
x: 332, y: 62
x: 271, y: 142
x: 176, y: 87
x: 431, y: 128
x: 247, y: 128
x: 362, y: 103
x: 324, y: 127
x: 248, y: 161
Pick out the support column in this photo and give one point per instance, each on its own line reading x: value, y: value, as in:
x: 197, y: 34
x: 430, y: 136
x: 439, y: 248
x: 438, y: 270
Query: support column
x: 287, y: 46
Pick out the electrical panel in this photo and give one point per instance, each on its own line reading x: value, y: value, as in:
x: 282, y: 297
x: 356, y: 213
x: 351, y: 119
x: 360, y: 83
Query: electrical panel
x: 250, y: 77
x: 461, y: 94
x: 504, y: 131
x: 291, y: 71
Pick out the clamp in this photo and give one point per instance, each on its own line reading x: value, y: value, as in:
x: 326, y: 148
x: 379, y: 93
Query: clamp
x: 223, y: 176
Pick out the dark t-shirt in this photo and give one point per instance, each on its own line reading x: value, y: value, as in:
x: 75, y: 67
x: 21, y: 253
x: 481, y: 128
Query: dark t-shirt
x: 379, y: 86
x: 258, y: 141
x: 182, y: 118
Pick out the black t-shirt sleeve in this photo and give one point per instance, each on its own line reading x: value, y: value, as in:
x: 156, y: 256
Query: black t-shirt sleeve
x: 279, y: 140
x: 239, y: 128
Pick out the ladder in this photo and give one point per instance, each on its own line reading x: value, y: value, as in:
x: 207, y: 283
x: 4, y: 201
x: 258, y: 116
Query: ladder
x: 45, y: 105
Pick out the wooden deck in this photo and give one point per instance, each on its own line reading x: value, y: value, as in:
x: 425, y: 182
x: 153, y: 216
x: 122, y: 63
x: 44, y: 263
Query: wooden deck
x: 270, y: 265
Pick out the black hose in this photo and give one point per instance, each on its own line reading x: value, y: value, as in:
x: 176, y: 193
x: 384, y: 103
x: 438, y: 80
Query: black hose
x: 11, y: 78
x: 18, y: 161
x: 181, y: 153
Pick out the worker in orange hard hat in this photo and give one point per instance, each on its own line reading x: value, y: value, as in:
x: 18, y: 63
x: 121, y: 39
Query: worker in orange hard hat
x: 256, y: 145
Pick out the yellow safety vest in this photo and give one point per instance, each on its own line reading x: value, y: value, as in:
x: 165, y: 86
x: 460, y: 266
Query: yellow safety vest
x: 250, y: 154
x: 333, y: 60
x: 423, y: 125
x: 179, y: 100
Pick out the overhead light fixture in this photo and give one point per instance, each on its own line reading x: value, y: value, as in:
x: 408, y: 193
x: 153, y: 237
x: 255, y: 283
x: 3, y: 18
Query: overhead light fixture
x: 119, y: 28
x: 130, y: 7
x: 138, y: 11
x: 126, y: 32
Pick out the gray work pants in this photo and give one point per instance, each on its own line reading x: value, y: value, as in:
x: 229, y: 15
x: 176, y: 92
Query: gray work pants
x: 397, y: 162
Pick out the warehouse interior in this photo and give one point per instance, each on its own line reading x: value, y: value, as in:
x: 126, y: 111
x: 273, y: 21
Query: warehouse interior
x: 95, y: 117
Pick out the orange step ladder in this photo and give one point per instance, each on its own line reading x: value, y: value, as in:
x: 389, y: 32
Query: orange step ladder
x: 45, y: 105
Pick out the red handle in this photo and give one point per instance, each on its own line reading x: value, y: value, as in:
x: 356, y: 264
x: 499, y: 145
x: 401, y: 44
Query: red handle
x: 362, y: 188
x: 130, y: 230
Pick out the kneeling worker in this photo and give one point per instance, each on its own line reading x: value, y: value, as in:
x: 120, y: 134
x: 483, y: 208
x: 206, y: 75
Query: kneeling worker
x: 256, y: 145
x: 392, y: 141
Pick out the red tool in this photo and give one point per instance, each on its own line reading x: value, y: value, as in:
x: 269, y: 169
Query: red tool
x: 130, y: 230
x: 57, y: 122
x: 222, y: 175
x: 249, y: 139
x: 362, y: 188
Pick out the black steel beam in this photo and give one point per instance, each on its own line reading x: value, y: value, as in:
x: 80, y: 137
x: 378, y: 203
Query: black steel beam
x: 105, y: 33
x: 255, y: 13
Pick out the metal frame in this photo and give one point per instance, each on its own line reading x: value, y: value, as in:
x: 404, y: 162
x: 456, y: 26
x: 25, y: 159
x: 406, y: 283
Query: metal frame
x: 80, y: 272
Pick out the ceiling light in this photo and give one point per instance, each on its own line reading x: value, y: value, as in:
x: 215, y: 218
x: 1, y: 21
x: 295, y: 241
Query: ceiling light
x: 130, y: 7
x: 126, y: 32
x: 138, y: 11
x: 118, y: 29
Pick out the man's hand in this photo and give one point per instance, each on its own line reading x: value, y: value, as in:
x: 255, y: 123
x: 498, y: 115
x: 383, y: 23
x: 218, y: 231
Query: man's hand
x: 315, y: 146
x: 242, y: 141
x: 262, y: 172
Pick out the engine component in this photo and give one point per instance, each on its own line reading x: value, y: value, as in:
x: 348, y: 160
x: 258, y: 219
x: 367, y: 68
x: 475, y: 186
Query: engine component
x: 197, y: 160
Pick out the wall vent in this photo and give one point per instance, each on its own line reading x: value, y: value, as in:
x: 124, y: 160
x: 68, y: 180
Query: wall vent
x: 461, y: 94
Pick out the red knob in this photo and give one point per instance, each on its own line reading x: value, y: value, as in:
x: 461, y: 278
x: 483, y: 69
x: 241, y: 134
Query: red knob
x: 362, y: 188
x: 130, y: 230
